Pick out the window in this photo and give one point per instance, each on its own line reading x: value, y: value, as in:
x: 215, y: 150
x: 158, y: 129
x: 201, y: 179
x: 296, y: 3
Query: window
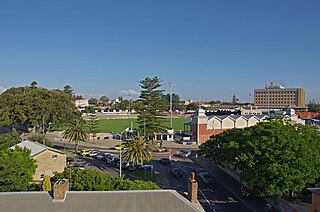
x: 41, y: 176
x: 54, y: 157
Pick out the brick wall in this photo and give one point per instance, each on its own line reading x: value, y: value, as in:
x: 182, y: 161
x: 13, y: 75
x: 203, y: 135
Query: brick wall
x: 315, y: 203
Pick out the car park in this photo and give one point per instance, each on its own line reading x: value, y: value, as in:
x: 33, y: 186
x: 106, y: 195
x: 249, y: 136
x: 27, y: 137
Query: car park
x: 205, y: 177
x: 165, y: 161
x: 176, y: 172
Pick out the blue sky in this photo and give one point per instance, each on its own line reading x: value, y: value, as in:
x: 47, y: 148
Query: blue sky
x: 210, y: 49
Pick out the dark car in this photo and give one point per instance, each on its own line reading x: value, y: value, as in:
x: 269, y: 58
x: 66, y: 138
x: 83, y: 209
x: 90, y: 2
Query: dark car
x: 176, y: 172
x: 165, y: 161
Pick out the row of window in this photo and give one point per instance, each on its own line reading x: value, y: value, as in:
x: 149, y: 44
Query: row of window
x: 275, y: 92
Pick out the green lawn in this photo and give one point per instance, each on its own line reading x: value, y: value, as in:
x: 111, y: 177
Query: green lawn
x: 146, y: 176
x: 118, y: 125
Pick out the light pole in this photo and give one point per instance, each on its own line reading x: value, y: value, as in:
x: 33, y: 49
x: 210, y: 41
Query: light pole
x: 43, y: 129
x: 120, y: 169
x: 171, y: 85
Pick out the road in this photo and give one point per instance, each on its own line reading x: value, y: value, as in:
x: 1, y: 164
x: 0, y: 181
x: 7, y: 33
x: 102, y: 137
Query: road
x: 219, y: 196
x: 213, y: 197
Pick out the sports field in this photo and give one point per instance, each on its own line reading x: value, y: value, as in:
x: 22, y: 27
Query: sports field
x: 118, y: 125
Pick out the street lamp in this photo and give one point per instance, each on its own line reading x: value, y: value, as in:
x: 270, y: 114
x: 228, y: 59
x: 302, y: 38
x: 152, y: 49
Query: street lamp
x: 120, y: 169
x: 171, y: 85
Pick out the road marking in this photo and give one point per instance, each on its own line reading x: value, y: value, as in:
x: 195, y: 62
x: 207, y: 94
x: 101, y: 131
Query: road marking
x: 234, y: 193
x: 199, y: 189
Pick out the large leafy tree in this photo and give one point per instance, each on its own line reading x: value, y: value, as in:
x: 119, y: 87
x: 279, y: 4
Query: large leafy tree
x: 103, y: 100
x: 137, y: 151
x: 39, y: 106
x: 8, y: 140
x: 150, y: 112
x: 274, y: 158
x: 313, y: 106
x: 93, y: 101
x: 16, y: 169
x: 76, y: 131
x: 176, y: 103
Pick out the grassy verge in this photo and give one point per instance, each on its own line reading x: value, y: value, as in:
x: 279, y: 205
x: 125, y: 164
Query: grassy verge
x: 146, y: 176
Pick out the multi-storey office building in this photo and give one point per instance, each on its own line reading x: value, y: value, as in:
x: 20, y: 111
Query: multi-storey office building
x: 276, y: 96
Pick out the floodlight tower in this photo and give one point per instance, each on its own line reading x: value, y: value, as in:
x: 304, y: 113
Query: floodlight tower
x: 171, y: 85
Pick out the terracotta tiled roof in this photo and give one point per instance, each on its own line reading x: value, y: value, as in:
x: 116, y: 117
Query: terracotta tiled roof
x: 307, y: 115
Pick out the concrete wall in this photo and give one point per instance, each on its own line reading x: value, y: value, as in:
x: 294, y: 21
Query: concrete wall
x: 49, y: 162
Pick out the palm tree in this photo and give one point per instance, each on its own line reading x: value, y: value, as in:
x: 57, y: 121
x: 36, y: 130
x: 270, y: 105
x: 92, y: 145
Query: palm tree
x: 76, y: 132
x: 137, y: 151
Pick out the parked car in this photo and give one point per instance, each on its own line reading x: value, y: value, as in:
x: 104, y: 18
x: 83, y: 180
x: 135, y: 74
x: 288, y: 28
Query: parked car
x: 199, y: 170
x: 117, y: 147
x: 107, y: 156
x: 205, y: 177
x: 93, y: 153
x: 100, y: 156
x: 124, y: 163
x: 85, y: 152
x: 176, y: 172
x: 132, y: 167
x: 113, y: 160
x: 70, y: 161
x: 165, y: 161
x: 185, y: 153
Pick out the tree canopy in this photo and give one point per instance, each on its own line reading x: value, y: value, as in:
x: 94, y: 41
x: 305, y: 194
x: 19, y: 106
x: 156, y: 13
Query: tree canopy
x: 313, y: 106
x: 16, y: 169
x: 93, y: 180
x: 36, y: 105
x: 274, y: 158
x: 151, y: 97
x: 176, y: 104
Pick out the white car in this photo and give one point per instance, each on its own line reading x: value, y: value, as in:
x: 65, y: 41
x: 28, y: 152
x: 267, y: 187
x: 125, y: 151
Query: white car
x: 184, y: 153
x: 205, y: 177
x: 93, y: 153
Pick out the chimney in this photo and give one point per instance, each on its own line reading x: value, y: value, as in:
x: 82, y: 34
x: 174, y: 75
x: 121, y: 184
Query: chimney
x: 193, y: 188
x: 60, y: 189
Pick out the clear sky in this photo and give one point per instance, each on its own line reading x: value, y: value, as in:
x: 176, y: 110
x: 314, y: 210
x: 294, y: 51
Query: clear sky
x: 210, y: 49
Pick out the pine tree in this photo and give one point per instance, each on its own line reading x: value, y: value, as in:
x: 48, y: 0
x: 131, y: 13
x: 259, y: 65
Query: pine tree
x: 149, y: 118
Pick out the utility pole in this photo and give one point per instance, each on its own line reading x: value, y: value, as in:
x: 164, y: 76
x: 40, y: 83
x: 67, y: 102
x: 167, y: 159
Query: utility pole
x: 120, y: 158
x: 43, y: 130
x: 171, y: 85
